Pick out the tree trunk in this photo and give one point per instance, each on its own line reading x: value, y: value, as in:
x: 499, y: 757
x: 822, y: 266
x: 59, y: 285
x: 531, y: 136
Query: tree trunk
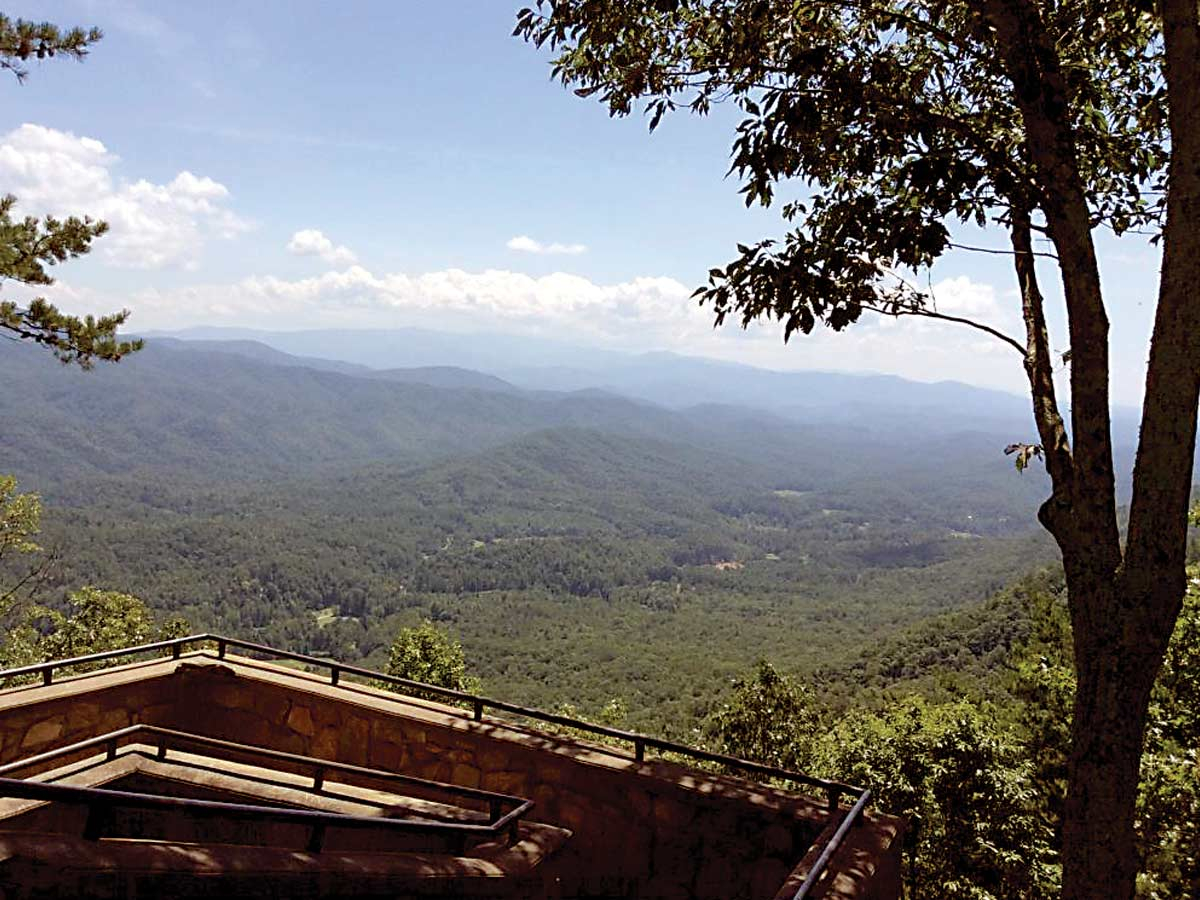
x: 1123, y: 604
x: 1122, y: 624
x: 1112, y: 696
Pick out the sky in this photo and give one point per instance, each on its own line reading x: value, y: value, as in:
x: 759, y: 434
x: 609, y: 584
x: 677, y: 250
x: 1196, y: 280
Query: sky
x: 288, y: 165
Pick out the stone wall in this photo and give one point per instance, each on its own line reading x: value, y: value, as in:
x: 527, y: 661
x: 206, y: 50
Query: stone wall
x: 650, y: 829
x: 657, y: 827
x: 35, y: 719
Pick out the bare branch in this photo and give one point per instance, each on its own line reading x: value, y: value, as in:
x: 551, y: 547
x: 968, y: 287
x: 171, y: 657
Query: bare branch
x: 37, y: 576
x: 958, y: 320
x: 999, y: 252
x: 1039, y: 365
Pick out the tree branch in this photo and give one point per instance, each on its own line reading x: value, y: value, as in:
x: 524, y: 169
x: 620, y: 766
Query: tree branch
x: 1039, y: 366
x: 998, y: 252
x: 958, y: 320
x: 1041, y: 92
x: 36, y: 576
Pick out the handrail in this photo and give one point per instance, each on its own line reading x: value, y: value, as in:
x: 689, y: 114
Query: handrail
x: 835, y: 790
x: 814, y: 874
x: 101, y: 801
x: 322, y: 767
x: 478, y: 704
x: 46, y: 669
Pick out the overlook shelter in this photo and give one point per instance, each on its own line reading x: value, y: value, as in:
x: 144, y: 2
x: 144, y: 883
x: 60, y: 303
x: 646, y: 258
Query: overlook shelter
x: 185, y: 770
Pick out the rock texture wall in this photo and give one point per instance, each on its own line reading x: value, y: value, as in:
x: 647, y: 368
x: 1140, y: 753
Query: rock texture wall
x: 650, y: 829
x: 657, y: 827
x: 35, y: 719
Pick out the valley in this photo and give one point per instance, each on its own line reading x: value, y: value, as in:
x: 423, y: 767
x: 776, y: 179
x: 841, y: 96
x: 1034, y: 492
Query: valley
x: 584, y: 546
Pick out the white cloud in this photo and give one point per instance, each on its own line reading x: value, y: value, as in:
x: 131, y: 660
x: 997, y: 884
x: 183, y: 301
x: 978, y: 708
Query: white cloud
x: 525, y: 244
x: 640, y: 314
x: 151, y: 225
x: 961, y: 296
x: 311, y: 242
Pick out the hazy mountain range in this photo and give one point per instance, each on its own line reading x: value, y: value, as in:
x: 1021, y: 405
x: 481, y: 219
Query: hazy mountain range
x: 242, y: 408
x: 662, y: 378
x: 317, y: 490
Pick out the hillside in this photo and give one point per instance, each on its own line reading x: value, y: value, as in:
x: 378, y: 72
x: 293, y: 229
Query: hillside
x: 584, y: 545
x: 207, y: 413
x: 666, y: 379
x: 446, y: 377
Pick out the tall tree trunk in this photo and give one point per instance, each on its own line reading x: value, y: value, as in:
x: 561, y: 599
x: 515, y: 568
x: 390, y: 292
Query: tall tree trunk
x: 1122, y: 605
x: 1120, y: 649
x: 1114, y: 678
x: 1122, y: 624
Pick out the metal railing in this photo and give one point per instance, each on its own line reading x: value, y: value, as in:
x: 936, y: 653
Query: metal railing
x: 853, y: 816
x: 102, y: 802
x: 834, y: 790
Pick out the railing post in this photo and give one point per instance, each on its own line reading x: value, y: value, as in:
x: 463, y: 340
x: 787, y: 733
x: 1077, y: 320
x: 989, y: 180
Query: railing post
x: 835, y: 797
x: 220, y: 649
x: 176, y: 649
x: 47, y: 675
x: 494, y: 811
x: 478, y: 710
x: 162, y: 748
x: 319, y: 778
x: 335, y: 675
x: 639, y: 749
x: 111, y: 752
x: 317, y: 839
x: 97, y: 821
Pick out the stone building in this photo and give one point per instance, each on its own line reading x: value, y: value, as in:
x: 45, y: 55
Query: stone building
x: 205, y: 773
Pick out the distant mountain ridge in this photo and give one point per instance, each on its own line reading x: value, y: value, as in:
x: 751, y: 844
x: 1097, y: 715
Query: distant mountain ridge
x: 663, y: 378
x: 208, y: 412
x: 435, y: 376
x: 883, y: 404
x: 233, y: 411
x: 260, y: 352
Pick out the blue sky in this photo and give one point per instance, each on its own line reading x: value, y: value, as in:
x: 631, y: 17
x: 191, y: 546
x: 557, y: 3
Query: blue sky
x: 296, y: 164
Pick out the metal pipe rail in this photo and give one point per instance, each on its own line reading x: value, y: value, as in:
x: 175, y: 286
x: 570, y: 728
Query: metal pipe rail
x: 853, y: 816
x: 834, y: 790
x: 102, y: 801
x: 478, y: 704
x: 167, y: 738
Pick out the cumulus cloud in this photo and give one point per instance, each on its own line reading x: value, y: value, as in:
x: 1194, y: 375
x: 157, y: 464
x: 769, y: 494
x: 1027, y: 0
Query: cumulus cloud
x: 498, y: 298
x: 643, y: 313
x: 311, y: 242
x: 640, y: 314
x: 151, y: 225
x: 525, y: 244
x: 961, y: 296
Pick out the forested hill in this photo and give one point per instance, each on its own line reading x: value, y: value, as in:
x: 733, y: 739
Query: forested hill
x: 209, y: 412
x: 583, y: 545
x: 239, y: 410
x: 575, y: 565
